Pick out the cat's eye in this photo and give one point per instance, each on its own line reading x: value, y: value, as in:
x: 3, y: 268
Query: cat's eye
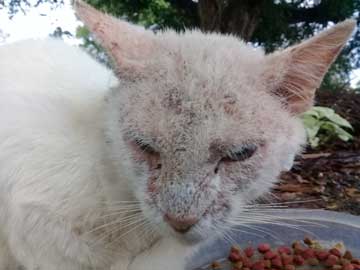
x: 245, y: 152
x: 145, y: 148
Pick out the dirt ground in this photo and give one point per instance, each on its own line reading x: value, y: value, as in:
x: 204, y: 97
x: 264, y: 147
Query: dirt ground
x: 329, y: 175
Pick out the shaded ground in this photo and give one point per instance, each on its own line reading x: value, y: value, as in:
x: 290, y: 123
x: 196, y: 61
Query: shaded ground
x: 331, y: 173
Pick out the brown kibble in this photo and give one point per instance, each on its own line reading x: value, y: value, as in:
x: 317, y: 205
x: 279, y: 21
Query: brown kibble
x: 235, y: 249
x: 286, y: 259
x: 308, y: 241
x: 267, y: 264
x: 289, y: 267
x: 335, y: 252
x: 264, y: 247
x: 276, y: 262
x: 270, y: 255
x: 298, y: 260
x: 238, y: 265
x: 246, y: 268
x: 348, y: 267
x: 331, y: 260
x: 348, y: 255
x: 299, y: 250
x: 344, y: 261
x: 234, y: 257
x: 336, y: 267
x: 308, y: 253
x: 313, y: 261
x: 284, y: 250
x: 296, y: 245
x: 249, y: 252
x: 355, y: 261
x: 215, y: 265
x: 321, y: 255
x: 259, y: 265
x: 246, y: 262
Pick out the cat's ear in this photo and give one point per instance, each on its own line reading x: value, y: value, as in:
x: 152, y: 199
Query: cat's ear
x: 127, y: 44
x: 295, y: 73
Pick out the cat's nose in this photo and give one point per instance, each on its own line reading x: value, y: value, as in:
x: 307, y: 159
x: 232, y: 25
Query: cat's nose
x: 181, y: 225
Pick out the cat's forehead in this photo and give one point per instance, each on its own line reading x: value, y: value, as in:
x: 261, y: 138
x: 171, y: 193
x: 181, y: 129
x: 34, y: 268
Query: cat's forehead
x: 202, y: 88
x: 197, y: 54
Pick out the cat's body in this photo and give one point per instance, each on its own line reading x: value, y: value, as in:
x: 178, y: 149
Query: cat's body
x: 93, y: 171
x: 54, y: 161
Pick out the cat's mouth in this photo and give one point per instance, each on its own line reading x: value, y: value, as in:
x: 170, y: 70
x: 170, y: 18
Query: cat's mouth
x: 192, y: 229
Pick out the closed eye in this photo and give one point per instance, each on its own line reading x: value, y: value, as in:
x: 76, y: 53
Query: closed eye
x: 244, y: 153
x: 144, y: 147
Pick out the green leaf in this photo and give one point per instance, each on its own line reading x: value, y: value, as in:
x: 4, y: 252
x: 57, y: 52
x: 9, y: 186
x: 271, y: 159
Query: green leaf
x: 310, y: 113
x: 324, y: 112
x: 336, y: 131
x: 337, y: 119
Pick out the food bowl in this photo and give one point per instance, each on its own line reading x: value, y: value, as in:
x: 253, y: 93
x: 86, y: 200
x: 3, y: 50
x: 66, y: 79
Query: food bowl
x: 326, y: 226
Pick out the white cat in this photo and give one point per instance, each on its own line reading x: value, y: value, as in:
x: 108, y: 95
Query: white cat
x: 97, y: 173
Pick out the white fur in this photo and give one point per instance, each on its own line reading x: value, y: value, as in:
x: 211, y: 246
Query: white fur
x: 65, y: 161
x: 51, y: 157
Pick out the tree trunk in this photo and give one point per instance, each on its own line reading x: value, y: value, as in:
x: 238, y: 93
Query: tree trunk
x: 238, y: 17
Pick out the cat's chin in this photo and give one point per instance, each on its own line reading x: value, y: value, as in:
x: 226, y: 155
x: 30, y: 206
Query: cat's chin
x: 190, y: 238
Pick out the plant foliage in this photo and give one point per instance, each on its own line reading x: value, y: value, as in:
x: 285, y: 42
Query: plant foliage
x: 322, y: 124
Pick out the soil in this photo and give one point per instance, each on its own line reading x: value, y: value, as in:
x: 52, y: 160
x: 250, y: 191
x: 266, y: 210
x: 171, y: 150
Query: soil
x: 328, y: 177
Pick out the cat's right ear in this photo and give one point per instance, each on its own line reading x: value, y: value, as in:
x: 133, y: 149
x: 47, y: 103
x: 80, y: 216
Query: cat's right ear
x: 128, y: 45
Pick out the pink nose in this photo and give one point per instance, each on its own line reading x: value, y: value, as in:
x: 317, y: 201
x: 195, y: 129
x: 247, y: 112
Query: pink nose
x: 181, y: 225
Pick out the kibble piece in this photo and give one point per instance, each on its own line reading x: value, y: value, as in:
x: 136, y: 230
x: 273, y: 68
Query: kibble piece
x: 348, y: 267
x: 235, y: 249
x: 331, y: 260
x: 308, y: 253
x: 259, y: 265
x: 335, y: 252
x: 234, y: 257
x: 308, y: 241
x: 267, y: 264
x: 348, y: 255
x: 246, y: 262
x: 276, y: 262
x: 313, y: 261
x: 298, y: 260
x: 215, y: 265
x: 264, y: 247
x: 284, y: 250
x: 344, y: 261
x: 336, y: 267
x: 249, y: 252
x: 321, y: 255
x: 238, y: 265
x: 270, y: 255
x: 286, y: 259
x: 296, y: 245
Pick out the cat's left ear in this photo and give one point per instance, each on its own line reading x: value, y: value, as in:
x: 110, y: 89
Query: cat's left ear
x: 295, y: 73
x: 128, y: 45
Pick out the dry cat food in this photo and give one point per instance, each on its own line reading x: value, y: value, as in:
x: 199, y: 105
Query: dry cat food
x: 307, y: 255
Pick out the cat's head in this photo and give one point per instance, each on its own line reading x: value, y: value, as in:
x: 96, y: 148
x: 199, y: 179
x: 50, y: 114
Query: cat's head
x: 202, y: 124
